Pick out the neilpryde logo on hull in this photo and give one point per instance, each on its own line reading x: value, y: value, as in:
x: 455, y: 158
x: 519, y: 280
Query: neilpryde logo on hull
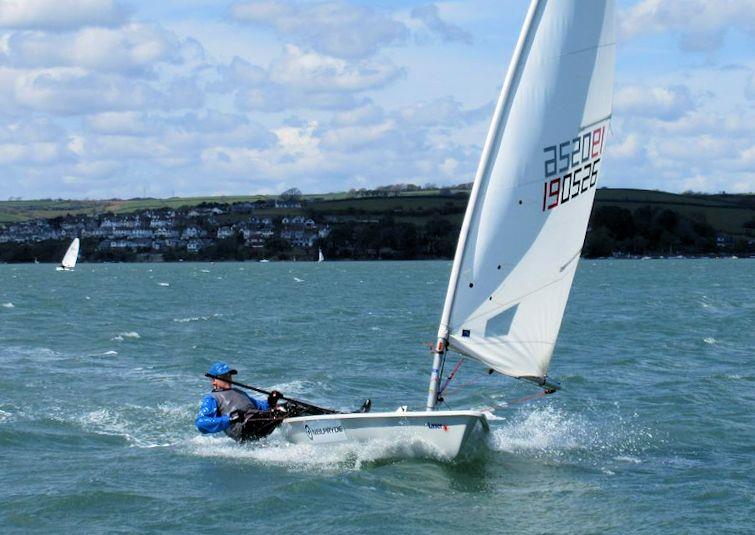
x: 312, y: 432
x: 431, y: 425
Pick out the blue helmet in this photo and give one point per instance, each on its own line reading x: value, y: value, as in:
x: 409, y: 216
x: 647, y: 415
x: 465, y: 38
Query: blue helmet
x: 221, y: 368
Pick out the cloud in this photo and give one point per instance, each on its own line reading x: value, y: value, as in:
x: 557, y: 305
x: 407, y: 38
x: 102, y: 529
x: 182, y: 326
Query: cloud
x: 446, y: 113
x: 131, y: 49
x: 299, y: 79
x: 36, y: 154
x: 661, y: 102
x: 313, y: 72
x: 60, y: 15
x: 701, y: 24
x: 74, y: 91
x: 332, y: 28
x: 120, y: 123
x: 429, y: 16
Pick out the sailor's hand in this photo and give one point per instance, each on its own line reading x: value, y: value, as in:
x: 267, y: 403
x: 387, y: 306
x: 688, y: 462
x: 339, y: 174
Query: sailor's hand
x: 273, y: 397
x: 235, y: 416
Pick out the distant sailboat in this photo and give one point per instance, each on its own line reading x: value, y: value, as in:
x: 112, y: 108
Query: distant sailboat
x: 320, y: 257
x: 70, y: 258
x: 524, y: 228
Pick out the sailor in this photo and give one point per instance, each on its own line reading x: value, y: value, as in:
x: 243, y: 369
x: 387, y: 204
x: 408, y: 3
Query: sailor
x: 231, y: 410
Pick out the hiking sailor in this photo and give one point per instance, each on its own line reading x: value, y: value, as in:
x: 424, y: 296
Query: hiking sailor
x: 233, y: 411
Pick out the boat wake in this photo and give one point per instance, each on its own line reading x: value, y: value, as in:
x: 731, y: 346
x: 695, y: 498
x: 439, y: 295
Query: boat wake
x: 551, y: 434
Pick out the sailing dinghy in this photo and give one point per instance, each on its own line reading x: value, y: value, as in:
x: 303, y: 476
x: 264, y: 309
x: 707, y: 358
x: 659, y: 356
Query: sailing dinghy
x: 320, y: 256
x: 524, y: 227
x: 69, y: 259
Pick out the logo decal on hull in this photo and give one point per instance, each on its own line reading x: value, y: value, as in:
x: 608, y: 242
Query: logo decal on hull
x: 431, y: 425
x: 312, y: 432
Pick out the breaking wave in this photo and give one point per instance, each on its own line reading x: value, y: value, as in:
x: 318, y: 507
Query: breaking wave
x: 126, y: 334
x: 129, y: 423
x: 196, y: 318
x: 9, y: 305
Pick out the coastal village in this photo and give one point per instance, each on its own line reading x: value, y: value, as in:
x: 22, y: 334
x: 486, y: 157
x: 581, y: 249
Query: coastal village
x: 189, y: 229
x: 399, y: 222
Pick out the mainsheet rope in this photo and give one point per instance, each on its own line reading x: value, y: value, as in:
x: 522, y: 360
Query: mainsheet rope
x: 524, y: 399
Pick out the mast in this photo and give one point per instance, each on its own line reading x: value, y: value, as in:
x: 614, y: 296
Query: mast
x: 483, y: 169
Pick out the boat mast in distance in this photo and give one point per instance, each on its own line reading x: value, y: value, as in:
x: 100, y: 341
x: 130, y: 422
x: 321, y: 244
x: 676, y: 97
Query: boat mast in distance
x: 527, y: 215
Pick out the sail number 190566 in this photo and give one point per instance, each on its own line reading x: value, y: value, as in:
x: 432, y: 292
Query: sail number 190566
x: 571, y: 167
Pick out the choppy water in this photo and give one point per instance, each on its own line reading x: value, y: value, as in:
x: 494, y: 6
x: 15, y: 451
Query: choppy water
x: 101, y: 374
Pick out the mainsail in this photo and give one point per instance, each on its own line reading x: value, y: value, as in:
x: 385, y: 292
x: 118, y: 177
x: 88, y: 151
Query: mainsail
x: 69, y: 260
x: 533, y: 192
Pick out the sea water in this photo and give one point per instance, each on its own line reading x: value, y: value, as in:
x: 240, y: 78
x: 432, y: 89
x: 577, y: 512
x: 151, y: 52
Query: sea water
x: 101, y: 374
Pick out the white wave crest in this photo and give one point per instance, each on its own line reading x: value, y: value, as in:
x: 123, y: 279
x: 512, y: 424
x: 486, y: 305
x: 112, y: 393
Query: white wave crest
x: 164, y: 283
x: 121, y: 423
x: 9, y: 305
x: 709, y: 340
x: 196, y: 318
x: 129, y: 334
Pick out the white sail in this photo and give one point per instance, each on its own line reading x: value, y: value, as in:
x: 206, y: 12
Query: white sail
x: 532, y: 196
x: 72, y: 254
x: 320, y: 257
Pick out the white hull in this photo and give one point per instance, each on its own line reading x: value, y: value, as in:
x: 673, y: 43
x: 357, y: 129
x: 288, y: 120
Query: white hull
x: 444, y: 433
x: 61, y: 268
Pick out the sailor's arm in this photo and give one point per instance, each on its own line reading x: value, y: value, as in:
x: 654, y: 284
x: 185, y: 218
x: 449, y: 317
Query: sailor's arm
x: 260, y: 404
x: 208, y: 420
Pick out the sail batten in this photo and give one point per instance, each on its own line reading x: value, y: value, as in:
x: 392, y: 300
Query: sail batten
x: 533, y: 192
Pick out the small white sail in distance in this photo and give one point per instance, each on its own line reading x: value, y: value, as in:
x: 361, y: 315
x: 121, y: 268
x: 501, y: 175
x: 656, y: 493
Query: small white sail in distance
x: 72, y: 254
x: 533, y: 192
x: 320, y: 256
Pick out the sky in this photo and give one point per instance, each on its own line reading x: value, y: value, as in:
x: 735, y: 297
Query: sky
x: 129, y: 98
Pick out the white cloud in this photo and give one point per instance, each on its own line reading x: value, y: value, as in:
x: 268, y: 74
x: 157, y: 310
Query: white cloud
x: 32, y: 153
x: 666, y: 103
x: 73, y: 91
x: 447, y: 113
x: 333, y: 28
x: 133, y: 49
x: 358, y: 137
x: 300, y: 79
x: 314, y: 72
x: 430, y: 17
x: 701, y: 24
x: 629, y: 147
x: 59, y: 15
x: 128, y: 122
